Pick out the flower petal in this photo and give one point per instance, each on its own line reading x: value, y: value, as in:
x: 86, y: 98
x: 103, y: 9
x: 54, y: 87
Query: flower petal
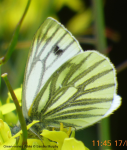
x: 5, y: 132
x: 57, y: 136
x: 73, y: 144
x: 8, y: 145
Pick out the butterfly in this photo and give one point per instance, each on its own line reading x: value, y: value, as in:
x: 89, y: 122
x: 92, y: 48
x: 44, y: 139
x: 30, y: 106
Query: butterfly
x: 64, y: 84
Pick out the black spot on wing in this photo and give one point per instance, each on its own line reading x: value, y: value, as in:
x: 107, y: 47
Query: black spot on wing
x: 57, y: 50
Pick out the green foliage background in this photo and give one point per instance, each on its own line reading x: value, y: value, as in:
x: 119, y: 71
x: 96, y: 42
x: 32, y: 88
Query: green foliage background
x: 79, y: 17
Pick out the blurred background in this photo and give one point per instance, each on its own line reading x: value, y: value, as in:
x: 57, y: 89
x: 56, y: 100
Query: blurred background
x: 81, y: 17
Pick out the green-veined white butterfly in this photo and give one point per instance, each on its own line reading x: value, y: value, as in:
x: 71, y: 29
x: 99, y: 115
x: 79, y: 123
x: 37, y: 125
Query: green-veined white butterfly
x: 63, y: 84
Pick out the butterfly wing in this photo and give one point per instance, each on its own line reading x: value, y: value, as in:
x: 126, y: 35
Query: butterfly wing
x: 52, y: 46
x: 64, y: 84
x: 78, y: 94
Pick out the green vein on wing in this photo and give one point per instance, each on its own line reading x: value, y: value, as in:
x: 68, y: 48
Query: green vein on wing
x: 78, y: 92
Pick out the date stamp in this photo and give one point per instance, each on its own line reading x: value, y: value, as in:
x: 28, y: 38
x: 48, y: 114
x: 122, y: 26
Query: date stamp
x: 108, y: 143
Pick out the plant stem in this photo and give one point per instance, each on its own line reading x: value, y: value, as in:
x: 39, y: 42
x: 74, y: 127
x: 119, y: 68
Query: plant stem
x: 19, y: 110
x: 14, y: 39
x: 99, y: 28
x: 104, y: 132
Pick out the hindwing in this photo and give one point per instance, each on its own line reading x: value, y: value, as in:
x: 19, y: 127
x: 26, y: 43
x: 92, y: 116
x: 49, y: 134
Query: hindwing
x: 78, y: 93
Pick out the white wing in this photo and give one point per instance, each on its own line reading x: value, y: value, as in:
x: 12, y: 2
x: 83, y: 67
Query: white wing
x: 81, y: 92
x: 52, y: 46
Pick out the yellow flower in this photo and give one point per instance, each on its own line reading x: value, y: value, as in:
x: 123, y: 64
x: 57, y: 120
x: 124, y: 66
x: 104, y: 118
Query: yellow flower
x: 5, y: 136
x: 18, y: 93
x: 73, y: 144
x: 52, y: 140
x: 63, y: 141
x: 6, y: 110
x: 32, y: 144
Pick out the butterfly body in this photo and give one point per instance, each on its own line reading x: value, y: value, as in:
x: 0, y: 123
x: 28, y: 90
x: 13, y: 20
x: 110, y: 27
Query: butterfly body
x: 64, y: 84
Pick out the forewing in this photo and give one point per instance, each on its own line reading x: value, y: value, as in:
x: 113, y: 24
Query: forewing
x: 52, y: 46
x: 78, y: 94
